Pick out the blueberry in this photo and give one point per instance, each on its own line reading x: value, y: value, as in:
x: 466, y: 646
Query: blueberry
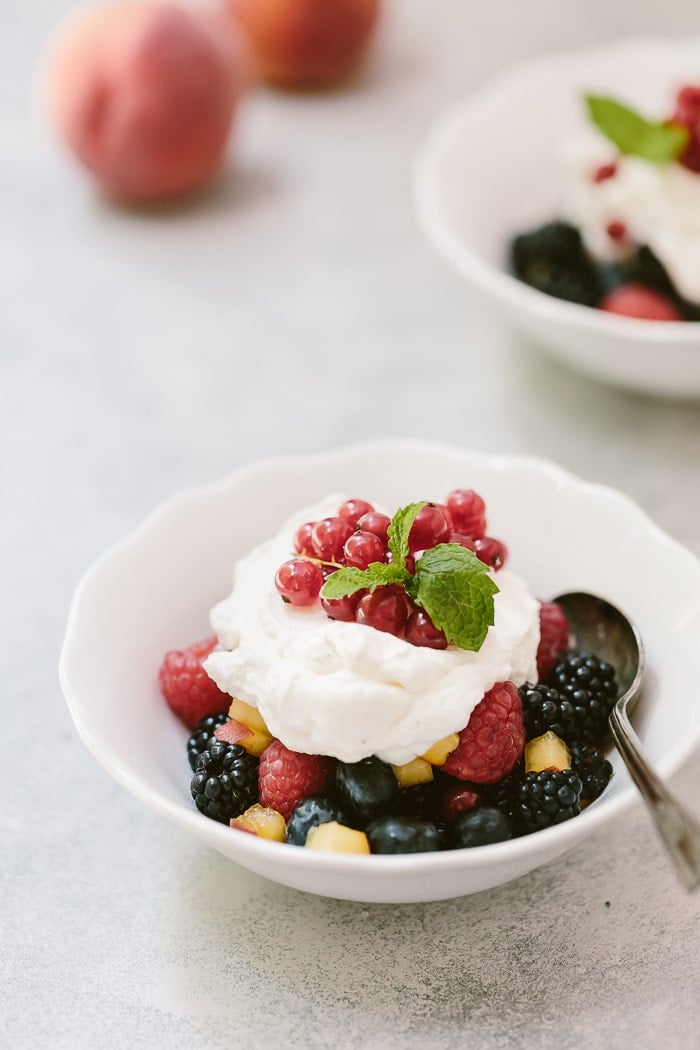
x: 314, y: 810
x: 479, y: 827
x: 403, y: 835
x: 368, y: 786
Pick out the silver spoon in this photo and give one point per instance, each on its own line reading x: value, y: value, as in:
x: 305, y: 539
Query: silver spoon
x: 598, y: 626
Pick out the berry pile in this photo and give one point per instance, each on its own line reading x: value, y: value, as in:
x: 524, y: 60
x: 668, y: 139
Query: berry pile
x: 553, y: 259
x: 357, y: 537
x: 527, y: 759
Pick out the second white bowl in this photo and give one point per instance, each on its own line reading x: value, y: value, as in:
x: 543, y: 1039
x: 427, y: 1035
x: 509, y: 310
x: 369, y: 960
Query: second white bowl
x: 490, y: 169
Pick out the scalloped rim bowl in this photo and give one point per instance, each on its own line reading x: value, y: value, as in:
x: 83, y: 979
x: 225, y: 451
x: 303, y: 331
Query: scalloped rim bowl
x: 474, y: 189
x: 152, y: 592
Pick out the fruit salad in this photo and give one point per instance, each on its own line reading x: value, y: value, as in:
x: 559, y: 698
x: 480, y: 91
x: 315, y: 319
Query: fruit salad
x: 626, y: 238
x: 383, y: 683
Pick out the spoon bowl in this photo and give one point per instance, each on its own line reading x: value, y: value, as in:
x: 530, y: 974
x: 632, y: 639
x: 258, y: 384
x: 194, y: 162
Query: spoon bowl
x: 603, y: 629
x: 606, y: 631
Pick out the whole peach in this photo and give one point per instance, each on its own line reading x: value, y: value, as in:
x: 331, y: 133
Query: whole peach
x: 145, y: 93
x: 307, y: 43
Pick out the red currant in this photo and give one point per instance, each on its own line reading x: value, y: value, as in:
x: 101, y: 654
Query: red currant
x: 302, y: 539
x: 429, y: 529
x: 342, y: 608
x: 376, y: 523
x: 687, y: 113
x: 353, y: 509
x: 328, y: 538
x: 468, y: 512
x: 385, y: 609
x: 604, y: 172
x: 492, y: 552
x: 616, y: 230
x: 362, y: 548
x: 299, y: 581
x: 462, y: 540
x: 447, y: 514
x: 420, y: 630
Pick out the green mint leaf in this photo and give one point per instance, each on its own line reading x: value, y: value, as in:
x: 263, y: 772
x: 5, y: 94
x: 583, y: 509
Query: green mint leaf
x: 399, y: 529
x: 633, y: 134
x: 346, y: 581
x: 456, y: 590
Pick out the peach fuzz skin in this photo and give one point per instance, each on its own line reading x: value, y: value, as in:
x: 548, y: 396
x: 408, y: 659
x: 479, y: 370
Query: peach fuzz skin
x: 307, y: 43
x: 144, y: 94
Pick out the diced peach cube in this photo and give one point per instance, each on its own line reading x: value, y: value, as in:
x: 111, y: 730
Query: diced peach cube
x: 438, y: 754
x: 416, y: 772
x: 336, y: 838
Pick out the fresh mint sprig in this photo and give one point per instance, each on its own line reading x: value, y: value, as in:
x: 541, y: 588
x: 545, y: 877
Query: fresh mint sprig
x: 634, y: 135
x: 399, y: 530
x: 450, y: 583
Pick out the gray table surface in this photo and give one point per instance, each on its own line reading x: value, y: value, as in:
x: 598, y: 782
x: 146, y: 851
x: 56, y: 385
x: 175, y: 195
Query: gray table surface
x: 294, y: 307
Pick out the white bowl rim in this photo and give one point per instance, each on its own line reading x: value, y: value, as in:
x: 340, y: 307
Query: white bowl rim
x: 566, y: 833
x: 498, y: 282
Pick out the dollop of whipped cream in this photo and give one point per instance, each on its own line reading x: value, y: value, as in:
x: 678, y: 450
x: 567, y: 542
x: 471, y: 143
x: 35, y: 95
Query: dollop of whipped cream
x: 658, y: 203
x: 347, y: 690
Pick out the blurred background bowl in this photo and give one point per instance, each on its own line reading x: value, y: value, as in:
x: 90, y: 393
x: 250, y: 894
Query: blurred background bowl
x: 490, y: 168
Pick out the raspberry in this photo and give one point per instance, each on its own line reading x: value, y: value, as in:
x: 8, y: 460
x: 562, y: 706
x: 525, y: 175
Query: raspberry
x: 635, y: 300
x: 493, y: 739
x: 188, y: 689
x: 286, y: 778
x: 554, y: 637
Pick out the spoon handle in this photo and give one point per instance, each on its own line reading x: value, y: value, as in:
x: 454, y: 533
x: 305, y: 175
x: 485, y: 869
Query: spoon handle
x: 678, y: 829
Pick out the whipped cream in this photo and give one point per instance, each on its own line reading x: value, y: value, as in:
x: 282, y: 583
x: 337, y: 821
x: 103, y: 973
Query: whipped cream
x: 658, y: 203
x: 347, y: 690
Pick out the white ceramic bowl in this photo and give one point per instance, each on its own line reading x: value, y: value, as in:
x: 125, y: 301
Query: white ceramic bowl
x: 152, y: 592
x: 490, y: 169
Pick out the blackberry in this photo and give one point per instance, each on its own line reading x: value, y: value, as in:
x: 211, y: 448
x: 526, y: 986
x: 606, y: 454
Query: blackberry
x: 480, y: 827
x: 545, y: 708
x: 548, y: 798
x: 203, y: 736
x: 554, y: 260
x: 593, y: 769
x: 590, y: 687
x: 403, y: 835
x: 225, y: 782
x: 503, y: 795
x: 314, y: 810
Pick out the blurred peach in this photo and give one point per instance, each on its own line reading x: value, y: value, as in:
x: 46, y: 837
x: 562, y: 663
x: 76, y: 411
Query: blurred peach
x: 307, y: 43
x: 145, y: 94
